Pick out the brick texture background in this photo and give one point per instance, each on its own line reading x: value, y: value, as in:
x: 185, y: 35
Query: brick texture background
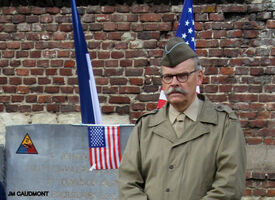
x: 235, y: 43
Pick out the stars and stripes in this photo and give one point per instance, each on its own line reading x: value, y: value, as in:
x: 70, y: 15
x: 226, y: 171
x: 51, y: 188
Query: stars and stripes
x: 186, y: 24
x: 104, y: 145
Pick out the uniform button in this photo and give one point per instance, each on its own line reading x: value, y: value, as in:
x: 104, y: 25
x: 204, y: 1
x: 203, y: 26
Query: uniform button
x: 171, y: 167
x: 167, y: 190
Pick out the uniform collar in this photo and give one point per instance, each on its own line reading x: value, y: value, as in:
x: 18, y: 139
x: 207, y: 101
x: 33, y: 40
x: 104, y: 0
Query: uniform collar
x: 191, y: 112
x: 207, y: 114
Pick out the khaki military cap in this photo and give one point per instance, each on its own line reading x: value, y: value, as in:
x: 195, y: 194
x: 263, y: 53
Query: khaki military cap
x: 175, y: 52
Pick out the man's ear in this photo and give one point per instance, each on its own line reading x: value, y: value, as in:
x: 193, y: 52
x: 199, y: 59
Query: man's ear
x: 200, y: 77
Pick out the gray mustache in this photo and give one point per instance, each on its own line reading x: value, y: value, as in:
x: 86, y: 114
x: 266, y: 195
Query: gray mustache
x: 177, y: 89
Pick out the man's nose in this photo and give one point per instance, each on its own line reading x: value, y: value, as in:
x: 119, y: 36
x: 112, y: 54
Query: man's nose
x: 175, y: 81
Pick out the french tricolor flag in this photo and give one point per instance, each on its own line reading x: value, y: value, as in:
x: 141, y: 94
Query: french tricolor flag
x: 90, y: 110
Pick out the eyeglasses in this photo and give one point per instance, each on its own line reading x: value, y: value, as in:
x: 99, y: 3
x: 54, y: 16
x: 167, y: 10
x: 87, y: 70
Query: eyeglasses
x: 183, y: 77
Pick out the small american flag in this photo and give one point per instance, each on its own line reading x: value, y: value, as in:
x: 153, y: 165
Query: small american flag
x: 186, y: 25
x: 104, y: 145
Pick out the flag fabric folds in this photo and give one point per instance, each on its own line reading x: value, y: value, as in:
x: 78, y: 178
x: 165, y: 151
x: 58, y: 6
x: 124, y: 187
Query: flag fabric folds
x: 90, y: 110
x: 104, y: 145
x: 186, y: 31
x: 186, y: 28
x: 162, y: 99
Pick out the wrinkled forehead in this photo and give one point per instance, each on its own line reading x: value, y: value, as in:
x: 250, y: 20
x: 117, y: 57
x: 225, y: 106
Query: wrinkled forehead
x: 185, y: 66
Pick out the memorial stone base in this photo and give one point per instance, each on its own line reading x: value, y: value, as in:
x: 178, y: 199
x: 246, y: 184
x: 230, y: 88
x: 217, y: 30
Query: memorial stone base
x: 55, y: 164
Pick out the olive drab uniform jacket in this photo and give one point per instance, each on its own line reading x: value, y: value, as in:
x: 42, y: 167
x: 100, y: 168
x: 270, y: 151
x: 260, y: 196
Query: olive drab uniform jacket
x: 207, y: 162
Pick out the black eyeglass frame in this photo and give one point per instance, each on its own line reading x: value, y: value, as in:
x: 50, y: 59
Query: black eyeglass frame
x: 185, y: 74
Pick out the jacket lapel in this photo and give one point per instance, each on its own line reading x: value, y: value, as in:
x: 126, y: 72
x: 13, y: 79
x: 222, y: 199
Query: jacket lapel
x: 162, y: 126
x: 208, y: 115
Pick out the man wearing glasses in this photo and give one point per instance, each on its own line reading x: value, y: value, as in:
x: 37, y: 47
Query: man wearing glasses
x: 190, y: 149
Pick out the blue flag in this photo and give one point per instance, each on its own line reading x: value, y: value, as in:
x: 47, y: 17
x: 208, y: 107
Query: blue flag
x: 90, y: 110
x: 186, y: 28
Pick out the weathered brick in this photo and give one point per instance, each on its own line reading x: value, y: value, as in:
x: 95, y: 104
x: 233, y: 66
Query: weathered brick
x: 51, y: 89
x: 119, y: 100
x: 53, y: 107
x: 270, y: 24
x: 138, y: 106
x: 72, y: 81
x: 135, y: 53
x: 147, y: 35
x: 111, y: 63
x: 22, y: 54
x: 65, y: 72
x: 123, y: 26
x: 31, y: 99
x: 150, y: 27
x: 107, y: 109
x: 129, y: 90
x: 205, y: 8
x: 140, y: 8
x: 11, y: 108
x: 29, y: 81
x: 122, y: 110
x: 216, y: 16
x: 37, y: 108
x: 23, y: 90
x: 118, y: 81
x: 113, y: 72
x: 72, y: 99
x: 211, y: 89
x: 150, y: 17
x: 109, y: 26
x: 232, y: 8
x: 200, y: 43
x: 44, y: 99
x: 266, y: 98
x: 67, y: 90
x: 122, y: 8
x: 133, y: 72
x: 121, y: 45
x: 32, y: 19
x: 114, y: 35
x: 43, y: 80
x: 250, y: 34
x: 4, y: 99
x: 22, y: 72
x: 17, y: 99
x: 125, y: 63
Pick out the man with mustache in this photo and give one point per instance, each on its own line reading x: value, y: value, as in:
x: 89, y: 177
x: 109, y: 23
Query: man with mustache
x: 190, y: 149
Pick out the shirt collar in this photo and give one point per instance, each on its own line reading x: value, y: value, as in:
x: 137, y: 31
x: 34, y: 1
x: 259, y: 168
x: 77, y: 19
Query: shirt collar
x: 191, y: 112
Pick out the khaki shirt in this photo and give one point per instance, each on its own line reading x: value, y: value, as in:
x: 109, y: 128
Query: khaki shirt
x: 191, y: 114
x: 207, y: 162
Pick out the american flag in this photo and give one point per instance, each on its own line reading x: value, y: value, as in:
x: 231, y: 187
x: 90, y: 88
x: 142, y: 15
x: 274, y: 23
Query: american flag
x: 104, y: 145
x: 186, y: 28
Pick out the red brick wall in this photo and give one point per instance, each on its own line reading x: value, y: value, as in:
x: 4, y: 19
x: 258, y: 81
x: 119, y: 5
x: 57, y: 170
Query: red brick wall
x: 38, y: 73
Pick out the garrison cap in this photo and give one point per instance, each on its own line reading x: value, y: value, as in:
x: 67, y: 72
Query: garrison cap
x: 175, y: 52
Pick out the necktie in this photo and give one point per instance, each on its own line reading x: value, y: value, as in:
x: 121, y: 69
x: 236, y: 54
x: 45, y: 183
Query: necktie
x: 179, y: 125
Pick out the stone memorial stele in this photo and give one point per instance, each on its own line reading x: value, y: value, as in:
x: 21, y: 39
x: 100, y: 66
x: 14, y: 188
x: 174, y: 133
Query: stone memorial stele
x: 56, y: 165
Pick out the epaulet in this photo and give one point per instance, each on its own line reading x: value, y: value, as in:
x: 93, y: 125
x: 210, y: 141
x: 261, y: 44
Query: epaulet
x: 228, y: 110
x: 147, y: 113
